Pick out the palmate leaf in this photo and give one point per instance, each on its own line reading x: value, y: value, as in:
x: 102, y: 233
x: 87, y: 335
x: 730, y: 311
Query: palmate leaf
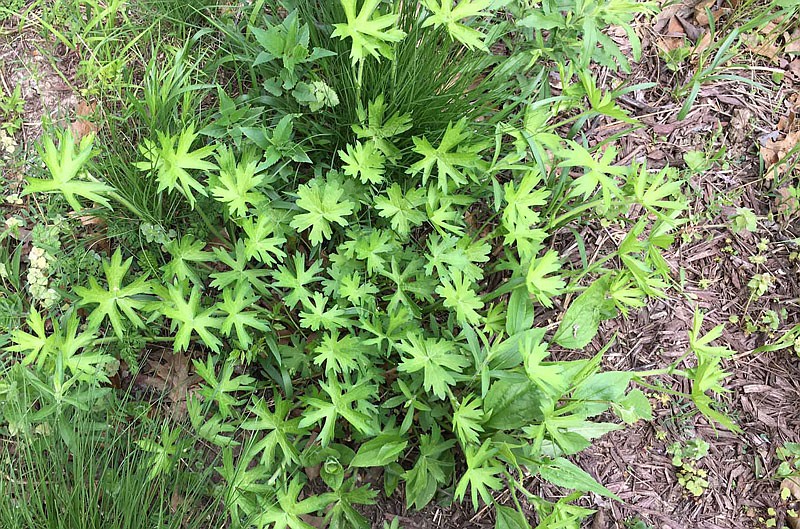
x: 340, y: 354
x: 339, y: 404
x: 110, y: 301
x: 279, y: 430
x: 323, y: 204
x: 240, y: 273
x: 708, y: 374
x: 184, y: 251
x: 596, y: 172
x: 450, y: 158
x: 467, y: 420
x: 363, y: 161
x: 64, y: 166
x: 482, y: 475
x: 261, y: 241
x: 187, y: 317
x: 287, y: 512
x: 378, y: 129
x: 233, y: 307
x: 543, y: 280
x: 172, y: 159
x: 401, y: 208
x: 459, y: 295
x: 445, y: 13
x: 237, y: 183
x: 295, y: 280
x: 316, y: 315
x: 431, y: 469
x: 36, y: 346
x: 222, y: 388
x: 370, y: 36
x: 439, y: 360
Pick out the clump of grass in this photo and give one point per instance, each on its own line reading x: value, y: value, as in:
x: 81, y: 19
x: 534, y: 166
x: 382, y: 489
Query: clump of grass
x: 92, y: 475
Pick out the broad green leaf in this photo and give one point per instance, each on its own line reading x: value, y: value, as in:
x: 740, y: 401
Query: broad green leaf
x: 633, y: 407
x: 380, y: 451
x: 564, y: 473
x: 508, y: 518
x: 519, y: 316
x: 514, y: 403
x: 594, y: 395
x: 582, y: 318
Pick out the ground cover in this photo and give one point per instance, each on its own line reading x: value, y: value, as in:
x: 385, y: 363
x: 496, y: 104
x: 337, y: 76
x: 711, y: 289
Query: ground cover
x: 589, y: 213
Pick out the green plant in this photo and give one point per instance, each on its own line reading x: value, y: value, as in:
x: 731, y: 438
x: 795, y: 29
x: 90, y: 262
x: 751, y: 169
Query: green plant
x: 685, y: 457
x: 90, y: 472
x: 378, y: 266
x: 11, y: 108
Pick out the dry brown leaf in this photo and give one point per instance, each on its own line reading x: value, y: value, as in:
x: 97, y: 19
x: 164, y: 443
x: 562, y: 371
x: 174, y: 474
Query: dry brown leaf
x: 674, y: 37
x: 314, y: 521
x: 794, y: 67
x: 702, y: 45
x: 793, y: 42
x: 773, y: 151
x: 740, y: 124
x: 172, y: 377
x: 766, y: 49
x: 83, y: 124
x: 786, y: 205
x: 700, y: 15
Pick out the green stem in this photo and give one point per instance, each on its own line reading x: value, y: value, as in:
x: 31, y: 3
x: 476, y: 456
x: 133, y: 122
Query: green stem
x: 574, y: 212
x: 668, y: 391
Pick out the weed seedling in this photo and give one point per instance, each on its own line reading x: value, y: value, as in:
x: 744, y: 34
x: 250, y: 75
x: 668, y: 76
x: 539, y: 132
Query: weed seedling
x: 685, y: 457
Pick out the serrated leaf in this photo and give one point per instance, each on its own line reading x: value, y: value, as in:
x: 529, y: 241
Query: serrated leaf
x: 324, y: 206
x: 370, y: 34
x: 64, y: 166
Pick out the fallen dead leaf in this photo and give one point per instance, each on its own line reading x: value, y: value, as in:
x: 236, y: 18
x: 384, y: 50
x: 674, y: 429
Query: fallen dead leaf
x: 700, y: 15
x: 774, y: 151
x: 702, y: 45
x: 674, y: 37
x: 765, y: 48
x: 740, y: 124
x: 599, y: 521
x: 83, y: 124
x: 793, y: 42
x: 172, y: 377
